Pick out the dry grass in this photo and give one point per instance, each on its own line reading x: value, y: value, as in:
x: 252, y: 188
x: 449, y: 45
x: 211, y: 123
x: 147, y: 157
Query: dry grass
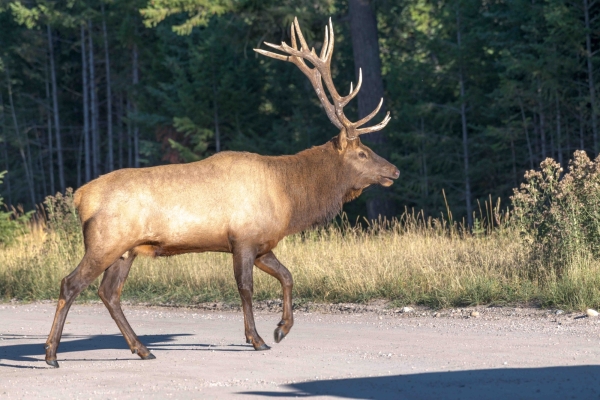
x: 413, y: 262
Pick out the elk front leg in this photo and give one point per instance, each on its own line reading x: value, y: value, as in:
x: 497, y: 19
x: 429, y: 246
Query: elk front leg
x: 243, y: 262
x: 271, y: 265
x: 110, y: 293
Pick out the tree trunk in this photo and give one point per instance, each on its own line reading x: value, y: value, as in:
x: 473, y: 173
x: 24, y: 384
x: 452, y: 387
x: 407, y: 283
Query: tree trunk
x: 558, y: 132
x: 86, y: 111
x: 526, y: 129
x: 568, y: 137
x: 542, y: 133
x: 136, y: 129
x: 44, y: 184
x: 536, y: 137
x: 80, y: 156
x: 120, y: 128
x: 94, y: 107
x: 31, y: 163
x: 581, y: 131
x: 59, y: 149
x: 109, y: 126
x: 463, y: 120
x: 424, y: 160
x: 5, y: 152
x: 7, y: 176
x: 215, y: 106
x: 590, y: 71
x: 216, y: 117
x: 50, y: 143
x: 514, y: 161
x: 542, y: 122
x: 129, y: 133
x: 26, y: 167
x: 553, y: 152
x: 365, y: 47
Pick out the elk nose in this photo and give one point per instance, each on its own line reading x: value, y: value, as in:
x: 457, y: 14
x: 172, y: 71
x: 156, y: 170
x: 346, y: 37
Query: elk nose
x: 396, y: 173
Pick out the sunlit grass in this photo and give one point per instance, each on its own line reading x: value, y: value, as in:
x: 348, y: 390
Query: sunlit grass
x: 410, y: 262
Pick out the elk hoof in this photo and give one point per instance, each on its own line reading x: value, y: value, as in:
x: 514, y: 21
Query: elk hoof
x: 150, y: 356
x: 278, y: 335
x: 52, y: 363
x: 262, y: 347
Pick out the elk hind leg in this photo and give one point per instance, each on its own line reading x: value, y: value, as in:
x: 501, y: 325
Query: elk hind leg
x: 71, y: 286
x: 243, y: 262
x: 271, y: 265
x: 110, y: 292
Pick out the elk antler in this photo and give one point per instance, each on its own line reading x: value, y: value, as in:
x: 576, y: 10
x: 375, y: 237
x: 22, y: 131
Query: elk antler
x: 322, y: 72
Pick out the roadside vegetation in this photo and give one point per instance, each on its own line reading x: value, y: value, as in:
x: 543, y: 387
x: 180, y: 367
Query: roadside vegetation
x: 544, y: 251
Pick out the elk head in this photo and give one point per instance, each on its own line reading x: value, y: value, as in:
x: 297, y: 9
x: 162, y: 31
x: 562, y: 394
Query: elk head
x: 363, y: 164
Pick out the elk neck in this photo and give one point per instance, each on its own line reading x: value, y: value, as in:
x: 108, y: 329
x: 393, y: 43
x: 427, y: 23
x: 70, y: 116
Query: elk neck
x: 316, y: 185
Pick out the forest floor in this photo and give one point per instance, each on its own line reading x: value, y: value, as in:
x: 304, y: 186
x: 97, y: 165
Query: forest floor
x: 342, y: 351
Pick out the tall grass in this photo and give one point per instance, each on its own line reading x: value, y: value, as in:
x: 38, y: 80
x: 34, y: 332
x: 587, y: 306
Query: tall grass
x: 414, y: 260
x: 545, y: 252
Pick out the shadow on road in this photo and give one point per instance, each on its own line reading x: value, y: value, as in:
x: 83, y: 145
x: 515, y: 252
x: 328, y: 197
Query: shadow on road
x: 577, y: 382
x: 34, y: 351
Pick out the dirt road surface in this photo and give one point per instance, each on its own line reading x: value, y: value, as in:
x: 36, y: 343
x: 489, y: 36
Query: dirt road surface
x: 505, y: 353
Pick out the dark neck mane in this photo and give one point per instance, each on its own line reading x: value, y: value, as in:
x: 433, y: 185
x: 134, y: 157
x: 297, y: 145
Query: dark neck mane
x: 315, y: 183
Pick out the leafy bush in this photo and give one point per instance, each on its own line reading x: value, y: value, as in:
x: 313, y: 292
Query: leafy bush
x: 561, y: 215
x: 12, y: 223
x: 61, y: 214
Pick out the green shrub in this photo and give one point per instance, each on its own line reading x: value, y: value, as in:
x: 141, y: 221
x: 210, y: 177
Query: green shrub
x: 560, y: 215
x: 61, y: 214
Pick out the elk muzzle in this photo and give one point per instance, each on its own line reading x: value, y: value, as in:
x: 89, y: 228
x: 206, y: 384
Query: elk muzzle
x: 387, y: 178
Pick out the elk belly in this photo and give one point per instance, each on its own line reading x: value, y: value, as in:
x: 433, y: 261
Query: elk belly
x: 147, y: 250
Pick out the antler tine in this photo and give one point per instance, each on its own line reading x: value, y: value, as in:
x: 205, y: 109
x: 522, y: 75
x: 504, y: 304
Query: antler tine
x: 293, y: 35
x: 303, y: 44
x: 352, y: 93
x: 374, y: 128
x: 324, y: 67
x: 273, y: 55
x: 331, y: 42
x: 275, y: 46
x: 295, y: 59
x: 370, y: 116
x: 325, y: 45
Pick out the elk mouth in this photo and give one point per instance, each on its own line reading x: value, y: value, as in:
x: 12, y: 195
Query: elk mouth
x: 385, y: 181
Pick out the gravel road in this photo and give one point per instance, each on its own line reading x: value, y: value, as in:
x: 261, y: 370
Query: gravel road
x: 346, y: 352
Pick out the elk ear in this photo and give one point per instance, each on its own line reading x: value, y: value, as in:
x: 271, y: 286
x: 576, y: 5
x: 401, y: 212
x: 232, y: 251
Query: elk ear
x: 341, y: 140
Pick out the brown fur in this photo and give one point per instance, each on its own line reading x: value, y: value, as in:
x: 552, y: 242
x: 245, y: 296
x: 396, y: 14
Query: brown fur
x: 182, y: 208
x: 317, y: 200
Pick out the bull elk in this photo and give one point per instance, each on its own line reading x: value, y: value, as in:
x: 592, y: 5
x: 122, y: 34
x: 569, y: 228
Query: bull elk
x: 235, y: 202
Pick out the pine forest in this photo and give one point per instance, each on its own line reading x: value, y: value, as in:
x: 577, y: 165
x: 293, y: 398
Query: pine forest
x: 479, y: 91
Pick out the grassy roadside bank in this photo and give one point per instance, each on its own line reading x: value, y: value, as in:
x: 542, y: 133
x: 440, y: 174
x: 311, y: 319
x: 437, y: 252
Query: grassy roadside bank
x: 545, y: 251
x: 412, y: 262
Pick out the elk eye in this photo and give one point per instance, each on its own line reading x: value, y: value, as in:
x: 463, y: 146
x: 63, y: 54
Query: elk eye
x: 362, y: 154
